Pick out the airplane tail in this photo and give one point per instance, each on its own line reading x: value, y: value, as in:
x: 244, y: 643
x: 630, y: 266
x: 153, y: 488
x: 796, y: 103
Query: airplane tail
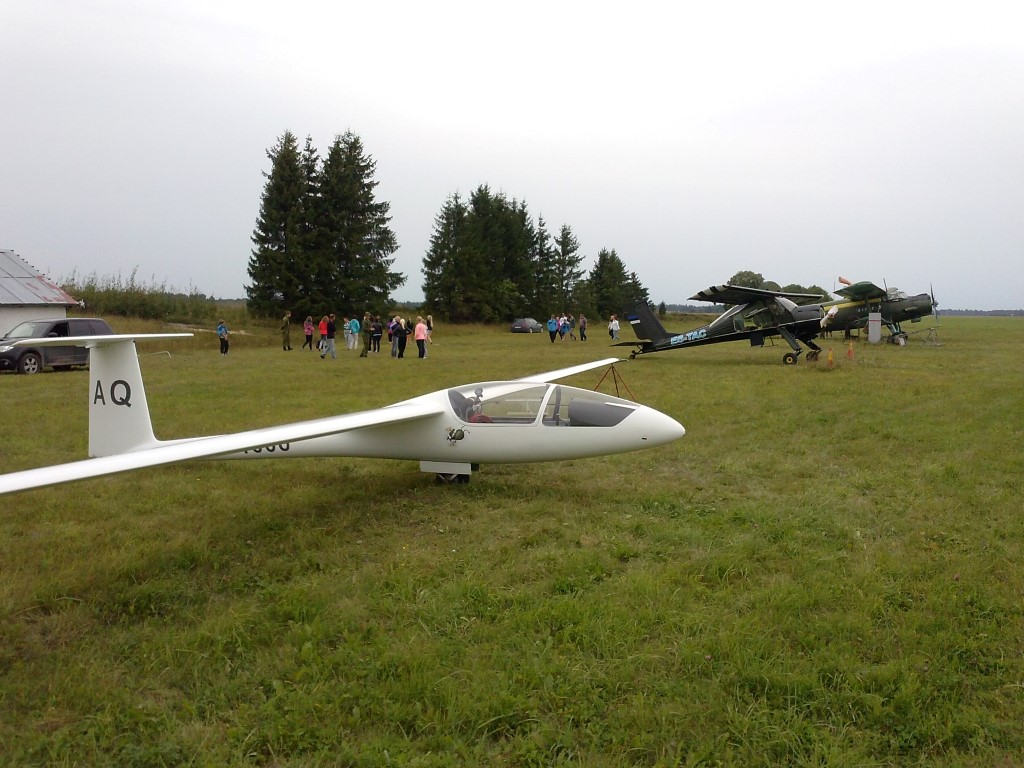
x: 119, y: 419
x: 645, y: 325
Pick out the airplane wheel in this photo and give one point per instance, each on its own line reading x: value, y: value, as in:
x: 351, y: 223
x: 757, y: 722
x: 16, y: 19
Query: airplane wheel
x: 789, y: 358
x: 451, y: 478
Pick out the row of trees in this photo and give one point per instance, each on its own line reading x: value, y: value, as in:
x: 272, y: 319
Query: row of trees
x: 748, y: 279
x: 322, y: 241
x: 322, y: 238
x: 489, y: 260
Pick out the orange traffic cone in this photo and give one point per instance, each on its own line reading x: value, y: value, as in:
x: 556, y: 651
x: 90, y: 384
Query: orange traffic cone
x: 849, y: 351
x: 831, y: 358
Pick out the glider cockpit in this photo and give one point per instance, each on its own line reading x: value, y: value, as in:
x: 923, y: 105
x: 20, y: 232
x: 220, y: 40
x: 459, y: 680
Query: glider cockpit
x: 523, y: 403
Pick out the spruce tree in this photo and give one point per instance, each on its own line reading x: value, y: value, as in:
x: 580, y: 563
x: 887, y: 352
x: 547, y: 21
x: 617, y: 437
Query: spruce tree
x: 442, y: 273
x: 568, y: 269
x: 608, y: 281
x: 545, y: 284
x: 614, y: 290
x: 278, y: 234
x: 635, y: 291
x: 357, y: 241
x: 313, y: 272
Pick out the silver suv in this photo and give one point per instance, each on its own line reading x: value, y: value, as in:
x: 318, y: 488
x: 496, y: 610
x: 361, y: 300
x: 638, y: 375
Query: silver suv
x: 29, y: 359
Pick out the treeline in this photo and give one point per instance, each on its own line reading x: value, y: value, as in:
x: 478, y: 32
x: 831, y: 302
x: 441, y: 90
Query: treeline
x: 748, y: 279
x: 489, y: 260
x: 114, y: 295
x: 984, y: 312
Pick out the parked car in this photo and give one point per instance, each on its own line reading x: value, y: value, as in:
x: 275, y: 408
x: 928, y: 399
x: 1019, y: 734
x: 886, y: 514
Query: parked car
x: 526, y: 325
x: 31, y: 359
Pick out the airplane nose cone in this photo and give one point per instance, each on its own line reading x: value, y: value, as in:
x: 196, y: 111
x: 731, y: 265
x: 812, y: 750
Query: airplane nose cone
x: 661, y: 428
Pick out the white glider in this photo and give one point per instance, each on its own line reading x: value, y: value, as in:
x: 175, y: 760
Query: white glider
x: 450, y: 432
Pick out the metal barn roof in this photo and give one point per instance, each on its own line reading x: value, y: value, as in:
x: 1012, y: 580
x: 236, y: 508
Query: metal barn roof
x: 22, y: 285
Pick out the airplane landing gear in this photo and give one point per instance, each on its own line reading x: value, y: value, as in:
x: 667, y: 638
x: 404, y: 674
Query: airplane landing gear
x: 451, y: 478
x: 812, y: 356
x: 790, y: 358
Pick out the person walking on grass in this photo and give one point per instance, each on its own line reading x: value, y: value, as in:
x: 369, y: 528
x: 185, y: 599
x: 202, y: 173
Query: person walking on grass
x: 421, y: 337
x: 353, y: 332
x: 401, y: 337
x: 393, y: 328
x: 286, y: 332
x: 322, y: 328
x: 222, y: 334
x: 328, y: 348
x: 376, y: 332
x: 367, y: 334
x: 307, y: 329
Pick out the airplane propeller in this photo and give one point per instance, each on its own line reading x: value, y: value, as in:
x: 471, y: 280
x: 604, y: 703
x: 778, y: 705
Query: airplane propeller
x: 935, y: 304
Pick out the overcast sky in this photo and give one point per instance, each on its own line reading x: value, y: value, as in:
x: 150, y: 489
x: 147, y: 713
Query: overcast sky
x: 880, y: 141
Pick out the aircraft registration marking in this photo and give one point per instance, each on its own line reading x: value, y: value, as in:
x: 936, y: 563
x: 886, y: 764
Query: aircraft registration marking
x: 120, y: 393
x: 700, y: 333
x: 283, y: 447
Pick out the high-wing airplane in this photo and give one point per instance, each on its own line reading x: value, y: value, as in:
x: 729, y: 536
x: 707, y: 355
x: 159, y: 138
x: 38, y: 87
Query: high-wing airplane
x: 861, y: 299
x: 755, y: 315
x: 450, y: 432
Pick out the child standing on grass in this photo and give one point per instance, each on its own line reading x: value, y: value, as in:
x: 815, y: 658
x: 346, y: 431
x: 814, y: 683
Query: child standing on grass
x: 222, y: 334
x: 307, y: 328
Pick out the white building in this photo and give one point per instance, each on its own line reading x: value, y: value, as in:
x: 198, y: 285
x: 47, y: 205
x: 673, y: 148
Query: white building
x: 25, y: 294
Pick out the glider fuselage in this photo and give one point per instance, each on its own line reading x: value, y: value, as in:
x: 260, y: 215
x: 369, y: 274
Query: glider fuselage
x: 525, y: 422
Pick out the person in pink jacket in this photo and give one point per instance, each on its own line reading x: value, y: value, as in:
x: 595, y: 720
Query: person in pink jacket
x: 307, y: 328
x: 421, y: 337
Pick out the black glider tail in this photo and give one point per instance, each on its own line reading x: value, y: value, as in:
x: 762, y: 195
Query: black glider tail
x: 645, y: 325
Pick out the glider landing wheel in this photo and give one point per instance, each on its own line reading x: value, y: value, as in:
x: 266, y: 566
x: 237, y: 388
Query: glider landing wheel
x: 452, y: 478
x: 789, y: 358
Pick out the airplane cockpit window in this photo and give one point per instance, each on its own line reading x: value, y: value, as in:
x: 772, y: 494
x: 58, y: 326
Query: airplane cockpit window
x: 570, y: 407
x: 523, y: 403
x: 782, y: 308
x: 731, y: 317
x: 505, y: 402
x: 758, y: 317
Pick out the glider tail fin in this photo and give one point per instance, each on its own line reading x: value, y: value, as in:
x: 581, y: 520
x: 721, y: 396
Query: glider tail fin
x: 645, y: 325
x: 119, y: 420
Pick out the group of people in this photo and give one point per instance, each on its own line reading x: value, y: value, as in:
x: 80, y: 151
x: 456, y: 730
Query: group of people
x: 564, y: 326
x: 398, y: 330
x: 366, y: 333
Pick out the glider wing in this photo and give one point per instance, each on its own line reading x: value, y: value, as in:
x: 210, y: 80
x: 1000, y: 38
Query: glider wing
x: 188, y: 449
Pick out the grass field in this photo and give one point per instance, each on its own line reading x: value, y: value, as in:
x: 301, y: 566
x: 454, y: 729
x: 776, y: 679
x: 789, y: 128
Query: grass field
x: 826, y: 570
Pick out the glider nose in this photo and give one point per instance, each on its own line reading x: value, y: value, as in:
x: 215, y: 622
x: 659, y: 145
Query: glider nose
x: 660, y: 428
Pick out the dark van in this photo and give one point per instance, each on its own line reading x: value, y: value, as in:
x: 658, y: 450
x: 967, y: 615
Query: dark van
x: 29, y: 359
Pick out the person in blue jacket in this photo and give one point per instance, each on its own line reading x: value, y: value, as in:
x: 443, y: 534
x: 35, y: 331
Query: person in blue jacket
x: 553, y: 328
